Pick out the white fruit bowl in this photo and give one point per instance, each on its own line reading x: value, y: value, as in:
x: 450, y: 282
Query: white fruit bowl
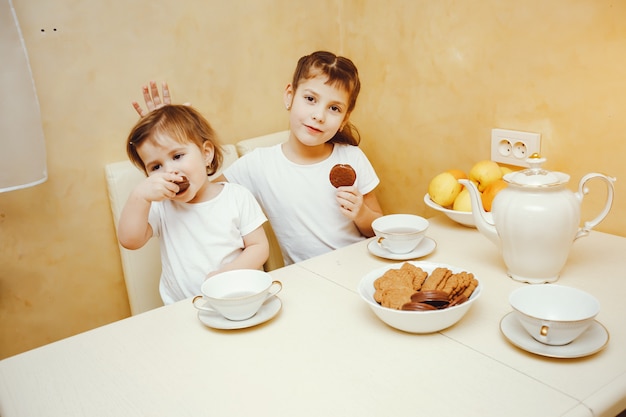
x: 415, y: 321
x: 466, y: 218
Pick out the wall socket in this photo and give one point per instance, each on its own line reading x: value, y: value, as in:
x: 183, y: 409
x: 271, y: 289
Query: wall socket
x: 512, y: 147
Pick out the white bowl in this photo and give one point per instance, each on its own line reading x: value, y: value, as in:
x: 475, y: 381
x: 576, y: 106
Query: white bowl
x: 466, y: 218
x: 415, y: 321
x: 554, y: 314
x: 237, y: 294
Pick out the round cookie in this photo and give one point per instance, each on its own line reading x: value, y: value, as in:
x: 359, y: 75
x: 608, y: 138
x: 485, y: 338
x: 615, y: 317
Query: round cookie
x: 182, y: 185
x: 414, y: 306
x: 435, y: 298
x: 342, y: 175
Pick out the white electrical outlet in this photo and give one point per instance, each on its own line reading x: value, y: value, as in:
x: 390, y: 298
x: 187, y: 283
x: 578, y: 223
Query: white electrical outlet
x: 512, y: 147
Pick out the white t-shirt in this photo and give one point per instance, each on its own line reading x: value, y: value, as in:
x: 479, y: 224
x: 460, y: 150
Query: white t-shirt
x: 300, y: 201
x: 198, y: 238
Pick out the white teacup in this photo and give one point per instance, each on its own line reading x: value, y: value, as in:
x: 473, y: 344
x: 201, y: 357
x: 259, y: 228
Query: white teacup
x: 400, y: 233
x: 554, y: 314
x: 237, y: 295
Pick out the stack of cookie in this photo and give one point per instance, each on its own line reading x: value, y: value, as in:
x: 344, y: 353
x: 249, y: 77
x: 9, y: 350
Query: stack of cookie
x: 411, y: 288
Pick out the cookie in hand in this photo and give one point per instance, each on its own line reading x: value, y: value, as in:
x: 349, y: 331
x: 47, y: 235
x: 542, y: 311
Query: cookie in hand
x: 342, y: 175
x: 182, y: 185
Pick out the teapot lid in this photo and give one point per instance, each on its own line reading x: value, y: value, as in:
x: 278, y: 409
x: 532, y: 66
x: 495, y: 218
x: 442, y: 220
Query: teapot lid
x: 536, y: 176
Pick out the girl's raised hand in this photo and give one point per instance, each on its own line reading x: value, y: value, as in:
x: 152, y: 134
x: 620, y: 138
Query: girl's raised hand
x: 152, y: 98
x: 158, y: 187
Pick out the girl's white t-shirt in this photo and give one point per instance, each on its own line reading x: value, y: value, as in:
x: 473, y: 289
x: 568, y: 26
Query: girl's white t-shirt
x: 300, y: 201
x: 198, y: 238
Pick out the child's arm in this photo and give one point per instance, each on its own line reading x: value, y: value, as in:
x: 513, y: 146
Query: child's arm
x: 362, y: 209
x: 255, y: 253
x: 133, y: 230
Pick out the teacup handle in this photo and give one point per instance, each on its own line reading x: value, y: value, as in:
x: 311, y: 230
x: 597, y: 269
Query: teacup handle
x: 380, y: 242
x: 543, y: 333
x: 582, y: 191
x: 199, y: 307
x: 274, y: 289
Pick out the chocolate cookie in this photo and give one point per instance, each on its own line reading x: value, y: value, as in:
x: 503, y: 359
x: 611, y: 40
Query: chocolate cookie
x: 435, y: 298
x: 342, y: 175
x: 182, y: 185
x: 414, y: 306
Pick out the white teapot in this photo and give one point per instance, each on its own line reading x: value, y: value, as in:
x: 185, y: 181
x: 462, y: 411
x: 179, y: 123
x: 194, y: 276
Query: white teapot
x: 535, y: 220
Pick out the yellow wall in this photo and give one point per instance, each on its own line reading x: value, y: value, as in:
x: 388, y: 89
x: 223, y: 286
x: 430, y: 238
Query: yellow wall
x: 437, y: 77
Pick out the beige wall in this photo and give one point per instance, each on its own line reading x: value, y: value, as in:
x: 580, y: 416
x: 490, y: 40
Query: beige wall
x: 437, y: 77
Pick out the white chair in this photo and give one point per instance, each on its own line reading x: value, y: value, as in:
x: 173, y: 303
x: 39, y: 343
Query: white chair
x: 247, y: 145
x: 275, y: 259
x: 141, y: 267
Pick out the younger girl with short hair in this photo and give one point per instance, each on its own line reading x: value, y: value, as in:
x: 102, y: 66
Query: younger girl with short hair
x: 204, y: 227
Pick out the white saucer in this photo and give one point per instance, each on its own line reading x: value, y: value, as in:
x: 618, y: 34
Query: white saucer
x: 425, y: 247
x: 268, y: 310
x: 594, y: 339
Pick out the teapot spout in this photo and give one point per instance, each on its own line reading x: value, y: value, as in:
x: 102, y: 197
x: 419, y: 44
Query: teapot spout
x: 484, y: 222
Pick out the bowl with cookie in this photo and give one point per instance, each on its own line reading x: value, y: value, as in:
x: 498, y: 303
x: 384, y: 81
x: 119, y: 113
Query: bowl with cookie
x: 465, y: 218
x: 420, y: 297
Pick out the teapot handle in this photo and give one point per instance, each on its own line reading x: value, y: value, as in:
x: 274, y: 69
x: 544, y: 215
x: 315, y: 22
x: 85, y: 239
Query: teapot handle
x: 582, y: 191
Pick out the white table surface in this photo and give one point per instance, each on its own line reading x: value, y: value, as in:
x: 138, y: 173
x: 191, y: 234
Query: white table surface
x: 326, y: 353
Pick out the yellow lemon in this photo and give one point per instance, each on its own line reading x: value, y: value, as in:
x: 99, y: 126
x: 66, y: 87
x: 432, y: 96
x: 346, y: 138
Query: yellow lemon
x: 462, y: 202
x: 444, y: 188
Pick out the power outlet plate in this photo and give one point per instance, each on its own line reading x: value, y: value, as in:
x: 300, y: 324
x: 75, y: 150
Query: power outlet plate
x: 511, y: 147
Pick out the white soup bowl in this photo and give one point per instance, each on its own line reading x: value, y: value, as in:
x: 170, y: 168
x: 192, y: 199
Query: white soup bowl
x: 238, y: 294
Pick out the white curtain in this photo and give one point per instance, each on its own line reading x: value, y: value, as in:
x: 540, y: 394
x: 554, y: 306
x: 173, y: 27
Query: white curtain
x: 22, y: 146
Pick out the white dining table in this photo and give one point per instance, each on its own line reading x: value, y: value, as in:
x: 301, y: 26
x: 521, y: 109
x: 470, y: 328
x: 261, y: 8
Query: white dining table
x: 326, y: 353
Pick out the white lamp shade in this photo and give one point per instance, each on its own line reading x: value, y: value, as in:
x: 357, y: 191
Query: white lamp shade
x: 22, y: 146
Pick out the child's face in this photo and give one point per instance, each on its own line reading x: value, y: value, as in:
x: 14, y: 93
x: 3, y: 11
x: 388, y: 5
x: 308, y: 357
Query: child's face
x: 318, y: 110
x: 161, y: 154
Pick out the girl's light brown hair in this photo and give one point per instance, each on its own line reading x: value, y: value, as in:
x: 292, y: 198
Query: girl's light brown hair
x: 341, y: 73
x: 183, y: 124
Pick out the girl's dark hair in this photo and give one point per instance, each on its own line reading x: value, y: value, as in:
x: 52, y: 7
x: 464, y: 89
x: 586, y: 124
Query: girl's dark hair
x: 182, y: 123
x: 342, y: 73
